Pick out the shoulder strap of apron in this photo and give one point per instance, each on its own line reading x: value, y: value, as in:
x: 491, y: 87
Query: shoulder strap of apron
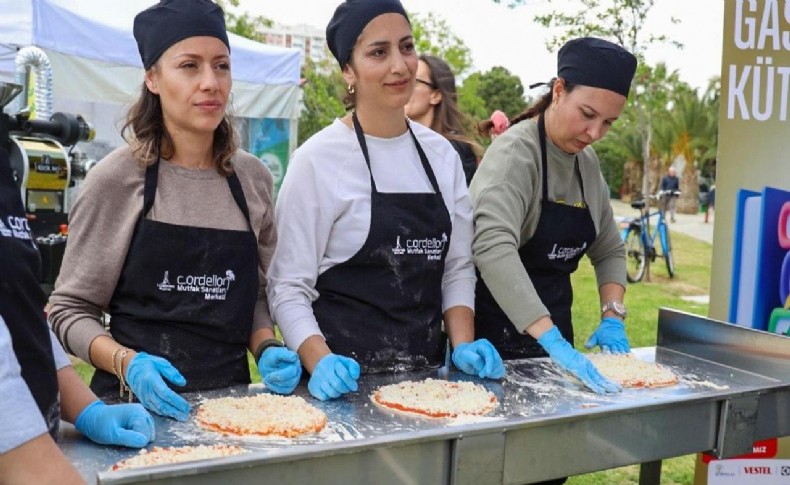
x: 544, y: 160
x: 423, y: 159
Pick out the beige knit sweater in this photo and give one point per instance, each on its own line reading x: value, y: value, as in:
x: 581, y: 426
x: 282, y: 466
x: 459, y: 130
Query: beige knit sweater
x: 103, y: 219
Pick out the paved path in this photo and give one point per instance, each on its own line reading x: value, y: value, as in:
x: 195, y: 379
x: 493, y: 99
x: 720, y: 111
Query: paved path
x: 693, y: 225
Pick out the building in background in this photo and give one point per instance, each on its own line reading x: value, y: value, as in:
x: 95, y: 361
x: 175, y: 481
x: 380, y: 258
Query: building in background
x: 311, y: 41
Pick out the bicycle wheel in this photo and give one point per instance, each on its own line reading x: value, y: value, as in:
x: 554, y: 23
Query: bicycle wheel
x: 667, y: 247
x: 634, y: 255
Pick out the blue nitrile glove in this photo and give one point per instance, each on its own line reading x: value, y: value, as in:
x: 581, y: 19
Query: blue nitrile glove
x: 280, y: 369
x: 144, y: 376
x: 576, y: 363
x: 610, y: 335
x: 333, y: 376
x: 121, y: 424
x: 479, y: 358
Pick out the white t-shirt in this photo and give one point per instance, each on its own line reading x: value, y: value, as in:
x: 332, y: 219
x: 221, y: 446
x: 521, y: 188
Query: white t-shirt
x: 323, y: 215
x: 16, y: 402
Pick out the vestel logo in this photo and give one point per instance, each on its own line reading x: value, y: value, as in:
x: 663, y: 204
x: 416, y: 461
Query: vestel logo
x: 757, y: 470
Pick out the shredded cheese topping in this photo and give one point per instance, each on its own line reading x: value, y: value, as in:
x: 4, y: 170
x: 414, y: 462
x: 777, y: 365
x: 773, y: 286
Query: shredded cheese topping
x: 630, y: 371
x: 436, y: 398
x: 262, y: 414
x: 162, y: 456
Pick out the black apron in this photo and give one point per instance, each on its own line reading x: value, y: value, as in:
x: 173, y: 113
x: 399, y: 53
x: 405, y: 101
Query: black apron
x: 22, y: 300
x: 187, y: 294
x: 383, y: 307
x: 562, y: 237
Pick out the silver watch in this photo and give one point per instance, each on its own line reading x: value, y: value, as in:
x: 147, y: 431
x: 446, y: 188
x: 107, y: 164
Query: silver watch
x: 615, y: 306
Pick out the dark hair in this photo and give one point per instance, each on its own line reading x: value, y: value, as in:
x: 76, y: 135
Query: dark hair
x: 538, y: 107
x: 448, y: 120
x: 148, y: 138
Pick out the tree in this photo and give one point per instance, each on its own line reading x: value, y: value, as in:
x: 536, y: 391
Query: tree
x: 469, y: 100
x: 433, y: 36
x: 244, y: 24
x: 322, y: 96
x: 501, y: 90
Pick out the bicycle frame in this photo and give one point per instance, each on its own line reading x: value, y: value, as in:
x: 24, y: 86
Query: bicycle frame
x: 643, y: 251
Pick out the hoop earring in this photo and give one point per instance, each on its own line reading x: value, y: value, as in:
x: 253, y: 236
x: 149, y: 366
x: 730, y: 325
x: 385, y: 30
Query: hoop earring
x: 350, y: 88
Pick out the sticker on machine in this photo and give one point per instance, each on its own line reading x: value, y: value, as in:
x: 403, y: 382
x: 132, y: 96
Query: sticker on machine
x: 753, y: 472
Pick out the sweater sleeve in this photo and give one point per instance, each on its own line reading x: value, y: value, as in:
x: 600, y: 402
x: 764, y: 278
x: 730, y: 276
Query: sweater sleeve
x: 101, y: 225
x: 258, y: 190
x: 303, y: 232
x: 503, y: 198
x: 458, y: 281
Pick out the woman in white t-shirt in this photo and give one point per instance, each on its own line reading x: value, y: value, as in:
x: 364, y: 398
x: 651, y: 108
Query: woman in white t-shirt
x: 374, y: 225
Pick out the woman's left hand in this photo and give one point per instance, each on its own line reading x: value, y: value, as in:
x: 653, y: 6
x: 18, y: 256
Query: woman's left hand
x: 280, y: 369
x: 610, y: 335
x: 479, y: 358
x: 121, y: 424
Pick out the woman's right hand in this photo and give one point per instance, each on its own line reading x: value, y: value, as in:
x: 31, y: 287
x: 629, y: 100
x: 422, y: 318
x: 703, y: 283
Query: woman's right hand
x: 333, y: 376
x: 144, y: 377
x: 573, y: 361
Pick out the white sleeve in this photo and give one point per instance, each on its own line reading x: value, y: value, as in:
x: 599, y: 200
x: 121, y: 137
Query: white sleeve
x: 61, y: 359
x: 22, y: 419
x: 303, y: 219
x: 458, y: 282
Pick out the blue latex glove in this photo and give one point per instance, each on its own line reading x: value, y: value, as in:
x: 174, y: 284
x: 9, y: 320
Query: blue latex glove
x: 576, y: 363
x: 144, y: 376
x: 122, y: 424
x: 333, y: 376
x: 610, y: 335
x: 479, y: 358
x: 280, y: 369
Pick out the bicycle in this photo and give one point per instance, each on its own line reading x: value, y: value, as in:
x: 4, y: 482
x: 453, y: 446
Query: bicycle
x: 640, y: 242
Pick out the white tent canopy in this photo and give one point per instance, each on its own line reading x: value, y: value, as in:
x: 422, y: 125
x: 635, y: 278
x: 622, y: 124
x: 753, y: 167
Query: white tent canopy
x: 96, y: 67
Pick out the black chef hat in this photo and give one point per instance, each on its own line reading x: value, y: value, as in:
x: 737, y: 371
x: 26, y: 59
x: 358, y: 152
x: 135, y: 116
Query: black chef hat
x: 162, y: 25
x: 597, y: 63
x: 348, y: 21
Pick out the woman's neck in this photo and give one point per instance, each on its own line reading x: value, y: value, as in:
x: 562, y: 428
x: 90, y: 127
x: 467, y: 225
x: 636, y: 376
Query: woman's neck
x: 548, y: 122
x: 425, y: 119
x: 380, y: 124
x: 192, y: 150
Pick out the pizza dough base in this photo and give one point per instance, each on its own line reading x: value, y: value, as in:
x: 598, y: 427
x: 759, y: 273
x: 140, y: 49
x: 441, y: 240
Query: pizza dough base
x: 435, y: 398
x: 169, y: 455
x: 630, y: 371
x: 262, y: 414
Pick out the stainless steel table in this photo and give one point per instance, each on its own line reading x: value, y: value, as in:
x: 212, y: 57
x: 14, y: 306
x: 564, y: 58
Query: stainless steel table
x: 546, y: 425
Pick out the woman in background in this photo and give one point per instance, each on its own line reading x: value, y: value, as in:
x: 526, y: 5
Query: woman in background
x: 434, y: 103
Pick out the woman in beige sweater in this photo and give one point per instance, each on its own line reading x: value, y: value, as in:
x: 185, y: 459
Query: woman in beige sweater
x: 173, y: 234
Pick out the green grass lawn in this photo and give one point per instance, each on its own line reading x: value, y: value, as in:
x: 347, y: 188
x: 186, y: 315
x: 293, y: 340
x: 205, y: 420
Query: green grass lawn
x: 692, y: 277
x: 692, y: 268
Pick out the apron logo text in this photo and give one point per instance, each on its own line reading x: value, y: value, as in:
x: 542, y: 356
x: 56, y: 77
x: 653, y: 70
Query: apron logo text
x: 16, y: 227
x: 565, y: 254
x: 431, y: 247
x: 213, y: 287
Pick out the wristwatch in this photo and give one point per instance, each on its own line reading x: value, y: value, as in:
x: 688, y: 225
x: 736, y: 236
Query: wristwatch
x: 616, y: 307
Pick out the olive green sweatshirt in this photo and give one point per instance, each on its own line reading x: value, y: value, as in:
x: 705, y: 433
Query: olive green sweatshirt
x: 506, y: 193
